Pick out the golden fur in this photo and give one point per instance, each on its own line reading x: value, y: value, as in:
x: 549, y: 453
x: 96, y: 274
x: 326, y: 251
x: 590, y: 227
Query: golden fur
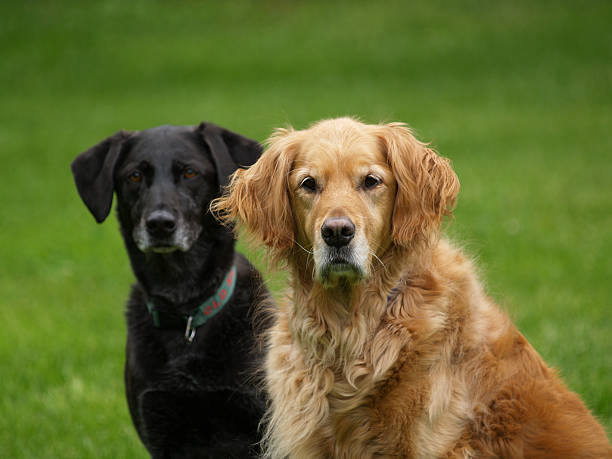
x: 402, y: 354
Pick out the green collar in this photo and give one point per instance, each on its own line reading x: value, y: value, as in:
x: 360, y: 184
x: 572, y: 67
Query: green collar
x: 199, y: 315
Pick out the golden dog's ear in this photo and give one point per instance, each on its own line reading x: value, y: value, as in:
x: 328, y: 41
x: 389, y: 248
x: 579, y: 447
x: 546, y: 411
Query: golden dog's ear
x: 427, y: 186
x: 257, y: 197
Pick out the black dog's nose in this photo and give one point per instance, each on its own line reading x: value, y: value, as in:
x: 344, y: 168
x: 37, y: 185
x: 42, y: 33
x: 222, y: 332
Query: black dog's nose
x: 161, y: 223
x: 337, y: 231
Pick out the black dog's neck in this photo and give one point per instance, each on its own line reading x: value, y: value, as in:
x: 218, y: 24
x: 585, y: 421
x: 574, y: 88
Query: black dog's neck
x: 180, y: 281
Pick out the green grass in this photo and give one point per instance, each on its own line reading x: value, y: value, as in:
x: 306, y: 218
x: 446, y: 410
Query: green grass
x: 518, y: 95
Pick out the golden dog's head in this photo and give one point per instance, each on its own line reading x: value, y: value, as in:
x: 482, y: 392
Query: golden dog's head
x: 344, y: 192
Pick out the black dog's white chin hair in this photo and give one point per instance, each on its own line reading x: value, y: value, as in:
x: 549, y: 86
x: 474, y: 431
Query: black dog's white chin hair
x: 182, y: 240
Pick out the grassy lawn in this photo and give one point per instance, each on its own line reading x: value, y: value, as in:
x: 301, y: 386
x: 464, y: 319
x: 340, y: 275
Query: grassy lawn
x: 518, y: 95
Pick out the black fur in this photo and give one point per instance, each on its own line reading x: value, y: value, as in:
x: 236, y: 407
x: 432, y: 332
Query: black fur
x: 186, y: 400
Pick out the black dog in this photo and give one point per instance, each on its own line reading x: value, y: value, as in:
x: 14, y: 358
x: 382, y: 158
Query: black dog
x: 191, y: 341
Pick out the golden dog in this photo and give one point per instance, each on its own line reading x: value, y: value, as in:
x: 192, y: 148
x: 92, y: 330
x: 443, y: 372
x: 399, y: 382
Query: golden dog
x: 389, y: 347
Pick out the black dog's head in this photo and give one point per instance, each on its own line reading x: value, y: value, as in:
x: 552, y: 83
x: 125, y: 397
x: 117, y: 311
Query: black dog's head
x: 164, y: 178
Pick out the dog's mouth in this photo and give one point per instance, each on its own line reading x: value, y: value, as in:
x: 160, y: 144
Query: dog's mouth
x: 179, y: 241
x: 162, y: 249
x: 339, y: 267
x: 164, y: 246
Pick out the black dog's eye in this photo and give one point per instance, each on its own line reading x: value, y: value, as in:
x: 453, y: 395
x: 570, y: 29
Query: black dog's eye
x: 309, y: 184
x: 371, y: 181
x: 189, y: 173
x: 135, y: 177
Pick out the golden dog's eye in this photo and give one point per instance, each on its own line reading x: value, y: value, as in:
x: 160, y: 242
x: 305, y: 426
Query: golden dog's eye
x: 135, y: 177
x: 371, y: 181
x: 309, y: 184
x: 189, y: 173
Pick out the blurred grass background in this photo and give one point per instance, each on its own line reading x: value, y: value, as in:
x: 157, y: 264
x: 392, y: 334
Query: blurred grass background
x: 518, y: 94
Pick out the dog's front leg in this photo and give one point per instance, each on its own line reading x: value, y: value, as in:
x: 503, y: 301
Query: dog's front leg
x: 191, y: 424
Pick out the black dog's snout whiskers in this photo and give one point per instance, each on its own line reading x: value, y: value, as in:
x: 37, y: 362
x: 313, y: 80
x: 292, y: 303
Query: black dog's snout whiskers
x: 161, y: 223
x: 338, y: 231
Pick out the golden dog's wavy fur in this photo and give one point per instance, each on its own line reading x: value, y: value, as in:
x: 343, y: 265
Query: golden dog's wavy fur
x: 413, y: 360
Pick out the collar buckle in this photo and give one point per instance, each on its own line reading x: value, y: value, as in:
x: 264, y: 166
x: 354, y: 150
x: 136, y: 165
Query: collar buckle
x: 201, y: 314
x: 190, y: 332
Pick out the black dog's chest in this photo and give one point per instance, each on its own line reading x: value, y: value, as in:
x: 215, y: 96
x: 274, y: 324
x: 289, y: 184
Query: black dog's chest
x: 218, y: 348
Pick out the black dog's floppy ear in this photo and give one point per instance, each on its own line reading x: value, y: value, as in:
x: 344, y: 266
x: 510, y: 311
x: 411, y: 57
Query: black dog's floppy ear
x: 229, y: 150
x: 93, y: 174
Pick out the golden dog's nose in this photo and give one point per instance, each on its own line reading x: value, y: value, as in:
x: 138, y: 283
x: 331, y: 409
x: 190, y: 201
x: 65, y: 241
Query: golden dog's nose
x: 337, y: 231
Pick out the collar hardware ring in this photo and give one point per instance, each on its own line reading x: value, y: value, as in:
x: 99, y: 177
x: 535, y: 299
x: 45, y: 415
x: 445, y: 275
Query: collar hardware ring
x: 189, y: 331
